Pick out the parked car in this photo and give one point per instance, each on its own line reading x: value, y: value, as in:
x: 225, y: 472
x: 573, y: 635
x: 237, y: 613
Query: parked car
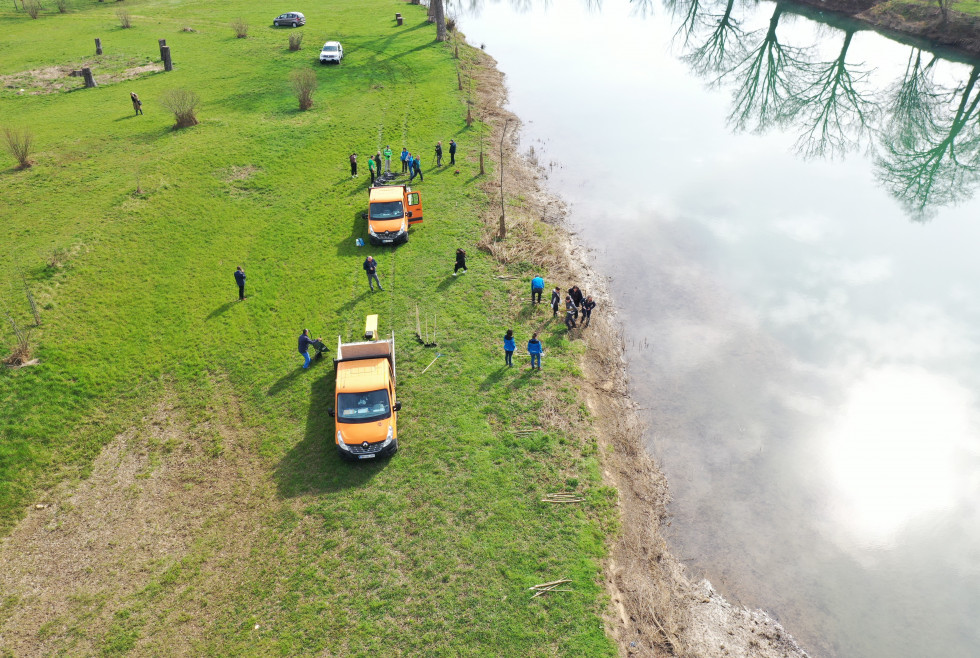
x: 332, y: 52
x: 291, y: 19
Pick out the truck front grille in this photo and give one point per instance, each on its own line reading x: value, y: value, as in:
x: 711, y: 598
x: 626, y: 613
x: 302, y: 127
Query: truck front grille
x: 361, y: 450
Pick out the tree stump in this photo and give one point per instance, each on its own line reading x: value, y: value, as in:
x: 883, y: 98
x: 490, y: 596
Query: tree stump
x: 98, y: 46
x: 89, y: 78
x: 165, y: 53
x: 398, y: 19
x: 163, y: 42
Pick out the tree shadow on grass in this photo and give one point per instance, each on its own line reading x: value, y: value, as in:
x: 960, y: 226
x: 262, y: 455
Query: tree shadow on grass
x: 221, y: 310
x: 313, y: 465
x: 493, y: 378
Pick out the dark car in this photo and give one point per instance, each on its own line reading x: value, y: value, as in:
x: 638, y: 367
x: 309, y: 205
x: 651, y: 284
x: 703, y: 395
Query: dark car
x: 290, y: 19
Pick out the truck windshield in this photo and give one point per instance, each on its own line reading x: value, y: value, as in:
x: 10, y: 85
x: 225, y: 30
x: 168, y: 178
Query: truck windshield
x: 363, y: 407
x: 387, y: 210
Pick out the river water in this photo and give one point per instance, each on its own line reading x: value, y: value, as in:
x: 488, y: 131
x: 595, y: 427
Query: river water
x: 787, y: 209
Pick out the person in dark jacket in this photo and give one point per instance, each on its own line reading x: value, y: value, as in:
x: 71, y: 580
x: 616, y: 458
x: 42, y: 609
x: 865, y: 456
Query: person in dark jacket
x: 460, y: 261
x: 304, y: 347
x: 353, y: 165
x: 377, y: 162
x: 404, y: 158
x: 240, y: 280
x: 571, y: 312
x: 371, y: 267
x: 417, y: 168
x: 509, y: 347
x: 534, y: 349
x: 452, y: 152
x: 555, y: 301
x: 577, y: 298
x: 587, y: 307
x: 438, y: 154
x: 537, y: 289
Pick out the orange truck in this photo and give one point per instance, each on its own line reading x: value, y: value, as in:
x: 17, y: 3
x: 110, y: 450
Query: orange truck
x: 391, y: 210
x: 366, y: 409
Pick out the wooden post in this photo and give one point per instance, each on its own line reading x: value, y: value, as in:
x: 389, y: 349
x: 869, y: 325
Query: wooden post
x: 163, y: 42
x: 98, y: 46
x: 165, y: 53
x: 398, y: 18
x: 89, y: 78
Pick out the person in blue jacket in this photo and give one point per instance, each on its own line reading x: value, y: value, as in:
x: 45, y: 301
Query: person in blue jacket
x: 416, y: 169
x: 534, y: 349
x: 509, y: 347
x: 537, y: 289
x: 240, y: 280
x: 304, y: 347
x: 404, y: 159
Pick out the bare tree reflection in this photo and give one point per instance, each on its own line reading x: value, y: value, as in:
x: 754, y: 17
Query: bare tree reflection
x: 770, y: 79
x: 688, y: 13
x: 835, y: 112
x: 915, y: 100
x: 938, y: 163
x: 723, y: 46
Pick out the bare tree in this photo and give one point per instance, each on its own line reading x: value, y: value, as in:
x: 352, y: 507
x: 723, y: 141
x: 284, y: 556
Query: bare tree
x: 295, y: 40
x: 240, y: 26
x: 20, y: 143
x: 125, y: 20
x: 183, y: 103
x: 944, y: 6
x: 30, y: 300
x: 32, y: 7
x: 502, y: 231
x: 304, y: 84
x: 21, y: 353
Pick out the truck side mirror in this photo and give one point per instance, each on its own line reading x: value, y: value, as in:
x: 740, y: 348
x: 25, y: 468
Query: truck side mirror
x: 398, y: 406
x: 409, y: 214
x: 330, y: 411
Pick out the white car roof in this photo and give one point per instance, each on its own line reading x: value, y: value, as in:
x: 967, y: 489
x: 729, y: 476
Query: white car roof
x: 331, y: 43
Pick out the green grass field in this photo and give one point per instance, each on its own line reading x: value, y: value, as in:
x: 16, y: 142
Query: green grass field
x: 431, y: 553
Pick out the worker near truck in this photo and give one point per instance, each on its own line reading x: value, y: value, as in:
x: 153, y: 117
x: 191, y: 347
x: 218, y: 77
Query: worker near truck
x: 387, y: 159
x: 404, y: 160
x: 371, y: 267
x: 304, y: 347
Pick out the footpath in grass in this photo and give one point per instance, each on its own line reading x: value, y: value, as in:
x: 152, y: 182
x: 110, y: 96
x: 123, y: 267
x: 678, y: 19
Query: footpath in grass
x: 183, y: 458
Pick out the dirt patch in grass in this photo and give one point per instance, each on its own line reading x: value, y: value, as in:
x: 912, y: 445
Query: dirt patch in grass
x: 655, y: 610
x: 167, y: 517
x: 54, y: 79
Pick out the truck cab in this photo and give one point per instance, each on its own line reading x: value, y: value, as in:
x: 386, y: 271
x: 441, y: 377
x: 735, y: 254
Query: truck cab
x: 366, y: 406
x: 391, y: 210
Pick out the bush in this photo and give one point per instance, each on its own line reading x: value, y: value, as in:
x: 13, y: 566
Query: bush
x: 62, y: 6
x: 304, y: 84
x: 33, y: 8
x: 240, y: 27
x: 125, y: 20
x: 21, y: 354
x: 183, y: 103
x: 295, y: 40
x: 20, y: 143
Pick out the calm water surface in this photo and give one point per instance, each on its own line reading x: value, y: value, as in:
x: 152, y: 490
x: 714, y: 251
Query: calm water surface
x: 788, y: 213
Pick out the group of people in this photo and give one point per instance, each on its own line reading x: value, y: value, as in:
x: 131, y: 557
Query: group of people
x: 411, y: 164
x: 578, y: 306
x: 534, y: 349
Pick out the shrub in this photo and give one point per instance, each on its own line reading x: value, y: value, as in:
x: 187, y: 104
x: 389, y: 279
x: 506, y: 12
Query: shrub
x: 304, y: 84
x: 21, y: 354
x: 20, y: 143
x: 33, y: 8
x: 125, y: 20
x: 240, y: 27
x: 295, y: 40
x: 62, y: 6
x: 183, y: 103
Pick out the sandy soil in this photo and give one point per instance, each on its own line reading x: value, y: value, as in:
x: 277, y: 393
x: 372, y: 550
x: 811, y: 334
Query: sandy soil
x: 655, y: 609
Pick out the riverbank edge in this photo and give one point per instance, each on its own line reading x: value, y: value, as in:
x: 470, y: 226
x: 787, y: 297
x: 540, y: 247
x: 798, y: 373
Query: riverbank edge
x: 908, y: 22
x: 654, y: 608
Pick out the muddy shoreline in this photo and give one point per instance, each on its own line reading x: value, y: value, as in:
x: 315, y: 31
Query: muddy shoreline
x: 655, y: 608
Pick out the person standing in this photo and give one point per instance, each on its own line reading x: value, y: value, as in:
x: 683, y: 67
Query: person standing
x: 404, y: 160
x: 537, y: 289
x: 377, y: 163
x: 387, y: 159
x: 240, y: 280
x: 452, y: 152
x: 555, y: 301
x: 509, y: 348
x: 371, y: 166
x: 371, y: 267
x: 460, y: 261
x: 577, y: 298
x: 353, y: 165
x: 534, y: 349
x: 438, y: 154
x: 417, y: 167
x: 587, y: 307
x: 304, y: 347
x: 571, y: 312
x: 137, y: 103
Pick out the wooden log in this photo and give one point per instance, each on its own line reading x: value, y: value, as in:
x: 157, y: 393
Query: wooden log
x: 168, y: 64
x: 89, y: 78
x: 162, y: 42
x: 98, y: 46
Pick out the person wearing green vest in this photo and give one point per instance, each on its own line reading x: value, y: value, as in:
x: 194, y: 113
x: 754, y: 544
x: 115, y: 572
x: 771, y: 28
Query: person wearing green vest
x: 371, y: 166
x: 387, y: 159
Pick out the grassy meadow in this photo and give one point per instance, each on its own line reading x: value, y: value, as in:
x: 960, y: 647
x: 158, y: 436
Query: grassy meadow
x: 294, y: 552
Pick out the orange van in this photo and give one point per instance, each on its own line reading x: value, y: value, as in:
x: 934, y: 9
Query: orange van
x: 366, y: 410
x: 391, y: 210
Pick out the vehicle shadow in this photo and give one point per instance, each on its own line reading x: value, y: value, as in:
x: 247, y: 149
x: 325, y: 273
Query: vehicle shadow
x: 313, y: 465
